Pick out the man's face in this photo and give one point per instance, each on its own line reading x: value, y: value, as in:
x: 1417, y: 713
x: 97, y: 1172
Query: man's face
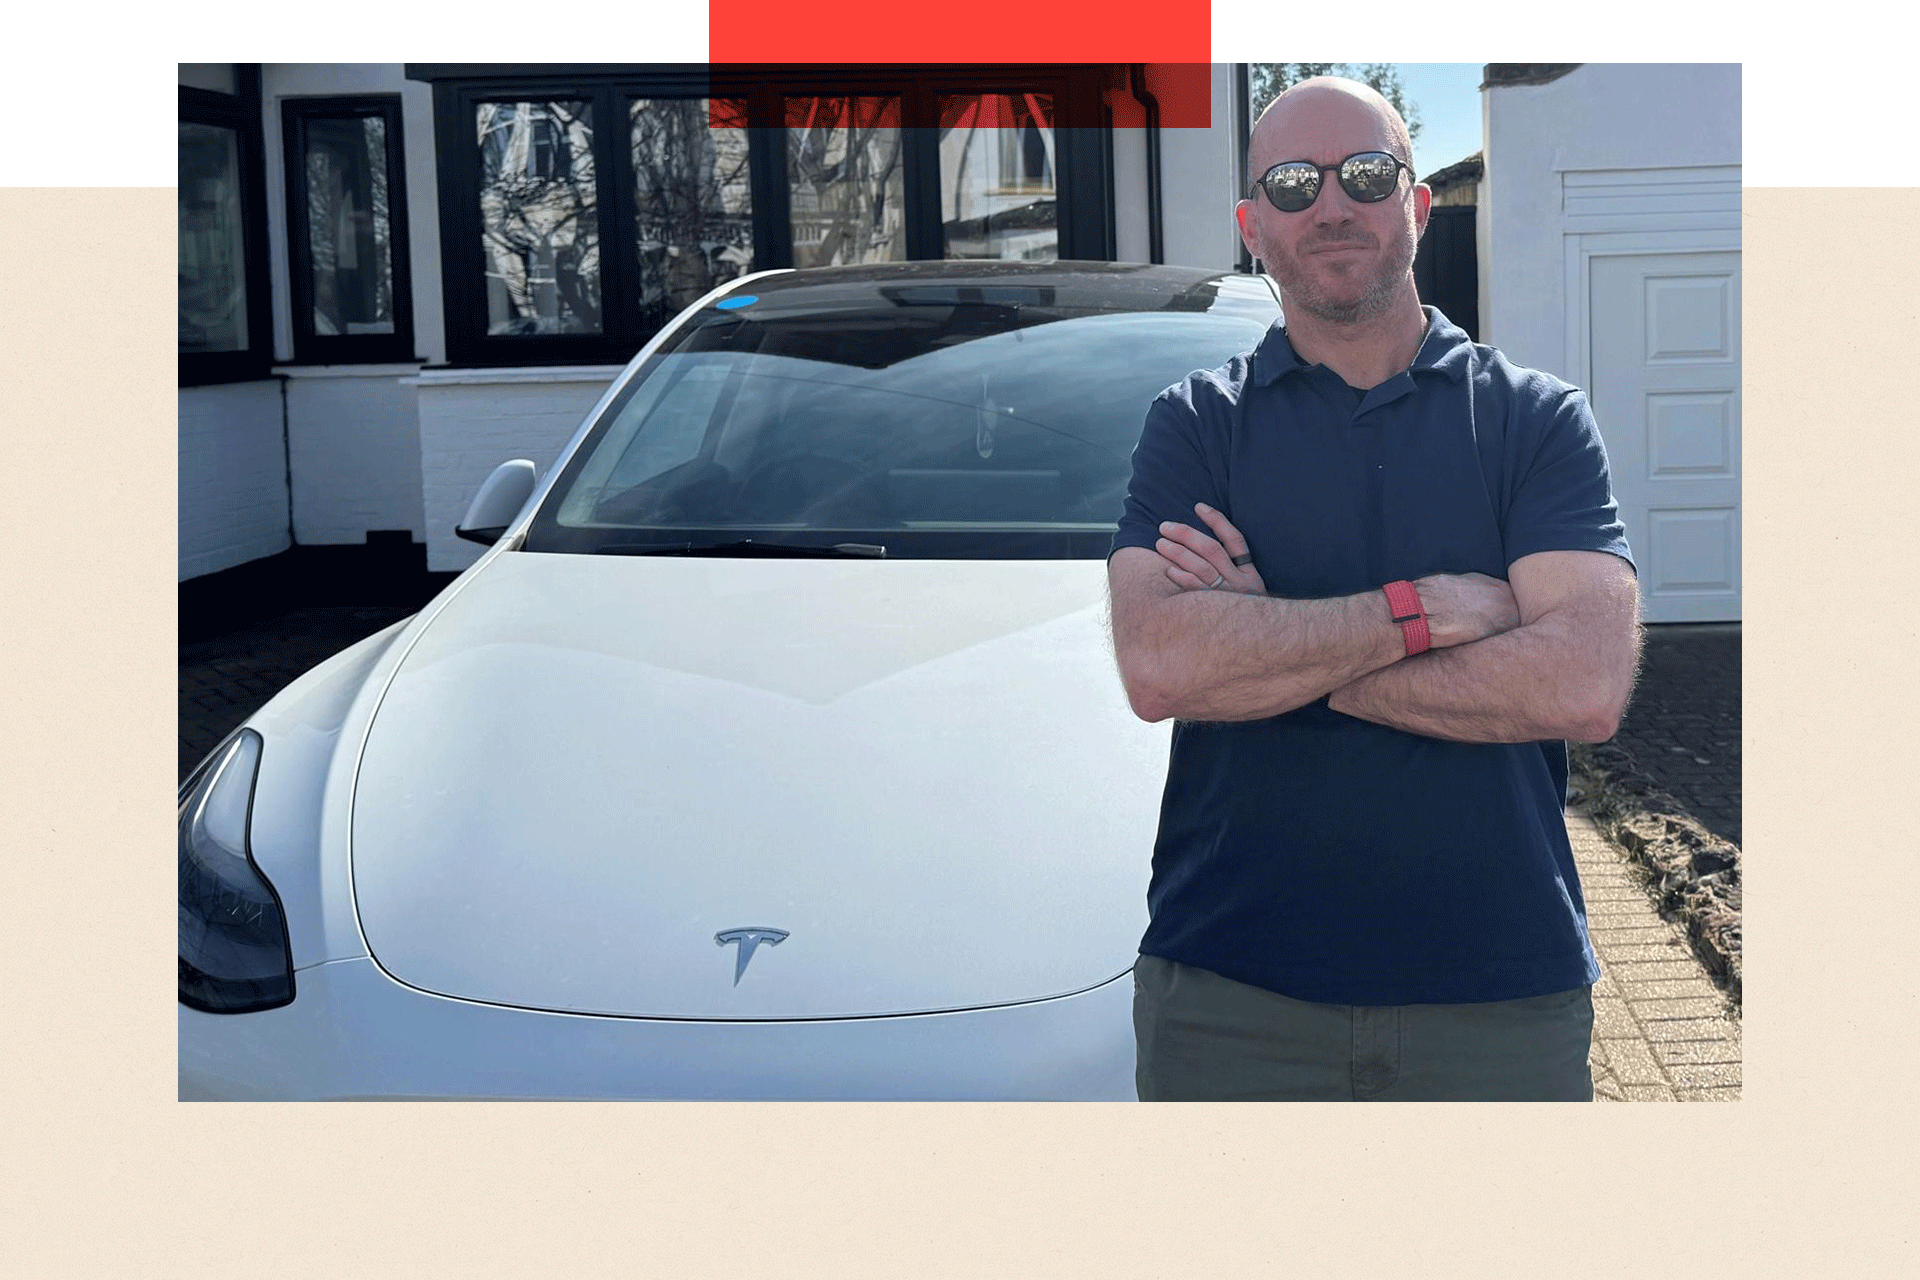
x: 1340, y: 260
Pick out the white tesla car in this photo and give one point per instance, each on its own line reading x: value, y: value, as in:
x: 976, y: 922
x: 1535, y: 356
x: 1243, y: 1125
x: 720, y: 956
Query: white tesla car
x: 774, y: 749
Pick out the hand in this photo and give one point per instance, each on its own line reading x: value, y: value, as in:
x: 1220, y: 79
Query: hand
x: 1194, y: 560
x: 1464, y: 607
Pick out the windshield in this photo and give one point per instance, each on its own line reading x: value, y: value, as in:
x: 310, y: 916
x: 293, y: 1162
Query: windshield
x: 951, y: 428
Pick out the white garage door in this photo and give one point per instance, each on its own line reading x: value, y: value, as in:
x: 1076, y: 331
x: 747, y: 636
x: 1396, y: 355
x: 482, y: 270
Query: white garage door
x: 1666, y: 392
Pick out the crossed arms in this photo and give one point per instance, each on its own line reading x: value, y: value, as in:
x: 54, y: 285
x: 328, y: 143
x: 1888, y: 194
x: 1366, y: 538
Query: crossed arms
x: 1548, y: 654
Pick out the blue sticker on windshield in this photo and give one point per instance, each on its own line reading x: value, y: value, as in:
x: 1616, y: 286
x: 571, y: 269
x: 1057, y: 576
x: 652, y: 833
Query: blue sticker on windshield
x: 728, y: 304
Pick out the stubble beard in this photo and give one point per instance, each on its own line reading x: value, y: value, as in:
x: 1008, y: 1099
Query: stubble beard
x: 1301, y: 291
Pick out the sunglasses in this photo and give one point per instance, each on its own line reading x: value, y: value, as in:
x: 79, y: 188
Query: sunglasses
x: 1367, y: 176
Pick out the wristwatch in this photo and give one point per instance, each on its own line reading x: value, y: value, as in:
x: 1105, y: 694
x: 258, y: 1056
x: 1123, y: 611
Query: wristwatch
x: 1404, y: 602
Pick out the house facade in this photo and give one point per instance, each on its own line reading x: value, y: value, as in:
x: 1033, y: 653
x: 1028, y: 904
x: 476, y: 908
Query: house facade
x: 1609, y: 236
x: 394, y: 277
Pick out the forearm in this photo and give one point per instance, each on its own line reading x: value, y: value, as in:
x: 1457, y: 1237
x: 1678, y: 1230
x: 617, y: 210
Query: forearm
x: 1227, y: 656
x: 1551, y: 679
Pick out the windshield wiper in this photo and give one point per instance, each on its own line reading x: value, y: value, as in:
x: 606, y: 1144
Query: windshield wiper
x: 743, y: 547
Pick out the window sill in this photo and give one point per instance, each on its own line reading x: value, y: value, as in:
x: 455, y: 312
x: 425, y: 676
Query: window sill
x: 223, y: 378
x: 494, y: 377
x: 347, y: 370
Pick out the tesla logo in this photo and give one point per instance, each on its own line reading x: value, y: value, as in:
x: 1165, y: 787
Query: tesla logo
x: 748, y: 940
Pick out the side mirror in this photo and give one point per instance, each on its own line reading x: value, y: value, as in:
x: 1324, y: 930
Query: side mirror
x: 498, y: 502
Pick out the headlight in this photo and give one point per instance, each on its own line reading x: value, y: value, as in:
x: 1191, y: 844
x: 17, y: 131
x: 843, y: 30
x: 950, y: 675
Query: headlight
x: 234, y: 954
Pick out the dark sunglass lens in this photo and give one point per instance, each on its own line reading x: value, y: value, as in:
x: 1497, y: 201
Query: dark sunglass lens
x: 1370, y: 176
x: 1292, y: 187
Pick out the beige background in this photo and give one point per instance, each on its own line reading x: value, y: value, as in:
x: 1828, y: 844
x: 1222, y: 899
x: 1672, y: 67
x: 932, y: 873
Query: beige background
x: 106, y: 1175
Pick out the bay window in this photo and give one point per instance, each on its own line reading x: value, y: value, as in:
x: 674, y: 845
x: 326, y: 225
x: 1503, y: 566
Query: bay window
x: 582, y: 207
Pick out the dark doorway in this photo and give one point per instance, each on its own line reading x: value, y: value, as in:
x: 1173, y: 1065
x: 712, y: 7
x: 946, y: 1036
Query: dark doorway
x: 1446, y: 269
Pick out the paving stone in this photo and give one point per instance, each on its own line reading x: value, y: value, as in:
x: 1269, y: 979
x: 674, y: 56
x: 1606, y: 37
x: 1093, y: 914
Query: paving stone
x: 1696, y: 1052
x: 1611, y: 1020
x: 1667, y: 1010
x: 1674, y: 1030
x: 1730, y: 1093
x: 1632, y: 1063
x: 1641, y: 937
x: 1654, y: 970
x: 1606, y: 987
x: 1611, y: 898
x: 1675, y: 949
x: 1702, y: 1075
x: 1642, y: 928
x: 1606, y: 914
x: 1685, y: 988
x: 1650, y: 1093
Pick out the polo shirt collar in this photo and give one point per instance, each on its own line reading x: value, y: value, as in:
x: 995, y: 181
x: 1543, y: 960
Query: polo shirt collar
x: 1446, y: 349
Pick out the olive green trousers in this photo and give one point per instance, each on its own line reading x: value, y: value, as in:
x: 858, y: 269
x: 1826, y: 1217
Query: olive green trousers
x: 1200, y: 1037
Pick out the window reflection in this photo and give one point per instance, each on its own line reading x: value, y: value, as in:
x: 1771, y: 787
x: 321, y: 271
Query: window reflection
x: 213, y: 283
x: 997, y: 166
x: 956, y: 416
x: 847, y: 180
x: 349, y: 231
x: 537, y: 217
x: 693, y: 200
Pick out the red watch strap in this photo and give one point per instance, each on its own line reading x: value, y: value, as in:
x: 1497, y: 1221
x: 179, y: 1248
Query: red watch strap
x: 1404, y: 601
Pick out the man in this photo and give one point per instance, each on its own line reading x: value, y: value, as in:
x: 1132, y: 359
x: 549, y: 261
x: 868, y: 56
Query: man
x: 1376, y: 575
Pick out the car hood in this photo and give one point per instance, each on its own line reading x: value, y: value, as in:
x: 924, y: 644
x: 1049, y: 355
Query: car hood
x: 588, y: 771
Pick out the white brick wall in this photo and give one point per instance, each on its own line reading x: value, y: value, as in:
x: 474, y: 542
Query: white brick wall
x: 472, y: 421
x: 233, y: 476
x: 355, y: 435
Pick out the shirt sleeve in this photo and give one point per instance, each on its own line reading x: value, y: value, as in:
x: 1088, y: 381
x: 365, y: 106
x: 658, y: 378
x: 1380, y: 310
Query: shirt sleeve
x: 1564, y: 499
x: 1170, y: 472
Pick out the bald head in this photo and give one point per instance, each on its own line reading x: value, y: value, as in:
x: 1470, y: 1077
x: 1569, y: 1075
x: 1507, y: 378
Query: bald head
x: 1342, y: 261
x: 1318, y: 120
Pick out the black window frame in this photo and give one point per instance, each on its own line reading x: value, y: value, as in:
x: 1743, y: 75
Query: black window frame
x: 309, y: 346
x: 239, y: 112
x: 1083, y: 165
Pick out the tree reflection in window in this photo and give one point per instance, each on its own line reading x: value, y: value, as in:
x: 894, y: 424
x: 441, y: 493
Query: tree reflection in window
x: 537, y: 217
x: 847, y: 180
x: 349, y: 225
x: 693, y: 199
x: 997, y: 170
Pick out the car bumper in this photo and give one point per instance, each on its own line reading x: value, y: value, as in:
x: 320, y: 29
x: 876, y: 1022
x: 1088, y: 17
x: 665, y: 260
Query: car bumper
x: 353, y: 1032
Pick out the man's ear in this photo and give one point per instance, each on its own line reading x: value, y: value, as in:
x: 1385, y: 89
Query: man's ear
x: 1422, y: 207
x: 1243, y: 218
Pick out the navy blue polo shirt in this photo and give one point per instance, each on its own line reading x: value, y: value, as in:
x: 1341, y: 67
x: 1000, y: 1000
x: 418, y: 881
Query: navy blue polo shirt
x: 1323, y: 856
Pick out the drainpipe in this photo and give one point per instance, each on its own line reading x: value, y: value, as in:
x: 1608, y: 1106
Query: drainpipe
x: 1156, y: 251
x: 286, y: 450
x: 1238, y: 112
